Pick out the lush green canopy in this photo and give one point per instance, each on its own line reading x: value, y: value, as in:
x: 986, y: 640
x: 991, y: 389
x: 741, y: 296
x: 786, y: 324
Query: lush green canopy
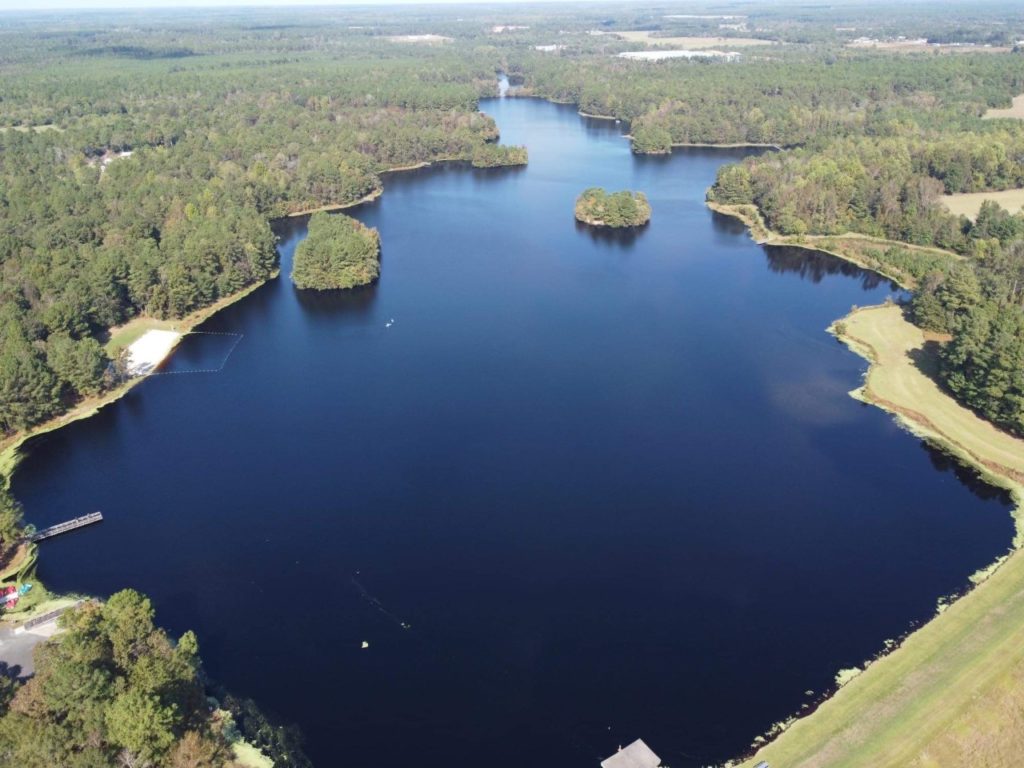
x: 338, y: 252
x: 113, y: 689
x: 617, y: 209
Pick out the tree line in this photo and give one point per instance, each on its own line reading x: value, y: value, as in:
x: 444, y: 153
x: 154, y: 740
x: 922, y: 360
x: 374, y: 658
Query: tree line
x: 114, y: 689
x: 220, y: 144
x: 892, y: 188
x: 788, y: 98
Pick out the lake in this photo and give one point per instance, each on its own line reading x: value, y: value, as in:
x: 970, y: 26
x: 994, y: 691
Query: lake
x: 585, y: 488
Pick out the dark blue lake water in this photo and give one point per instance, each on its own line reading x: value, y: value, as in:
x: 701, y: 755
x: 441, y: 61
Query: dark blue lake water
x: 584, y: 489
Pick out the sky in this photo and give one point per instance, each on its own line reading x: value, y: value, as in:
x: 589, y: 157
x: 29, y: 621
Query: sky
x: 39, y: 5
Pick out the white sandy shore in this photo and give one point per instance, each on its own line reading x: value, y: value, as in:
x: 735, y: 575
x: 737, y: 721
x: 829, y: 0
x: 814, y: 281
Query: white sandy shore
x: 145, y: 354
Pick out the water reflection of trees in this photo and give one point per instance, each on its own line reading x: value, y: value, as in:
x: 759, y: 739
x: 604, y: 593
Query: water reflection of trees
x: 815, y: 266
x: 353, y: 302
x: 624, y: 237
x: 969, y: 476
x: 596, y: 126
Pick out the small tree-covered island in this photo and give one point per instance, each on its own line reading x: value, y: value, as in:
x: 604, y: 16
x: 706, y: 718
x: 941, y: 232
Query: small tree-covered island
x: 598, y: 208
x: 339, y: 252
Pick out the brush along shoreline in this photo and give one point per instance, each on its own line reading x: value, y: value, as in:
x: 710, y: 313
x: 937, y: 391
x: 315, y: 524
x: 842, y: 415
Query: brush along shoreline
x: 11, y: 445
x: 937, y: 696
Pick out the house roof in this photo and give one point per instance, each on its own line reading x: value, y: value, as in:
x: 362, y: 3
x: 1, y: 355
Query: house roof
x: 636, y: 755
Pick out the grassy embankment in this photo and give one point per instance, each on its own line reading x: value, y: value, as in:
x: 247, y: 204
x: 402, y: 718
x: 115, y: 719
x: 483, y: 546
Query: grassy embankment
x: 853, y: 247
x: 952, y: 693
x: 365, y: 199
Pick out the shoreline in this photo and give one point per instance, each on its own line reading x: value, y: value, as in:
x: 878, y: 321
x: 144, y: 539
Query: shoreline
x: 10, y: 448
x: 731, y: 145
x: 762, y: 235
x: 581, y: 113
x: 936, y: 679
x: 914, y: 422
x: 336, y: 206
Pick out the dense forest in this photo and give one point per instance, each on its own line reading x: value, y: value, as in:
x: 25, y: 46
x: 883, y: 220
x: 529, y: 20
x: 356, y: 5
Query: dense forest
x: 114, y: 689
x: 891, y: 187
x: 338, y: 252
x: 140, y: 164
x: 142, y: 159
x: 151, y: 189
x: 785, y: 100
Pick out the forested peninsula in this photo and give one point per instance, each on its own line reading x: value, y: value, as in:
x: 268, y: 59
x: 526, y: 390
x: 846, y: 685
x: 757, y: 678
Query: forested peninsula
x: 891, y: 188
x: 160, y: 205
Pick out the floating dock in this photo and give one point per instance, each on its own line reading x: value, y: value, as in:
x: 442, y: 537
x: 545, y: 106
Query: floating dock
x: 70, y: 525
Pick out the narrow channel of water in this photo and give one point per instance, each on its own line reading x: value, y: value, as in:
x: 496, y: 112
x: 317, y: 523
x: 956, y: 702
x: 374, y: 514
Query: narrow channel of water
x: 584, y: 488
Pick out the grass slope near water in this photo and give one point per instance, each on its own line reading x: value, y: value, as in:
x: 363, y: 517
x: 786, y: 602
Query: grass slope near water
x: 952, y: 694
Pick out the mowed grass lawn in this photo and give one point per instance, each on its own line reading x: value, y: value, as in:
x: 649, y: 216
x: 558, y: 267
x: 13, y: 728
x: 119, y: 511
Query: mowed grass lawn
x: 969, y: 203
x: 953, y: 694
x: 133, y: 330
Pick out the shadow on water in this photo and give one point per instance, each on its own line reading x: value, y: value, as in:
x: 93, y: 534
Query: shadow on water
x: 596, y: 126
x: 969, y: 476
x: 354, y: 303
x: 727, y: 225
x: 815, y: 266
x: 624, y: 238
x: 498, y: 172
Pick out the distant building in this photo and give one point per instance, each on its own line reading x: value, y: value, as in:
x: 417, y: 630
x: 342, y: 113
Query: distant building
x: 678, y: 54
x: 636, y: 755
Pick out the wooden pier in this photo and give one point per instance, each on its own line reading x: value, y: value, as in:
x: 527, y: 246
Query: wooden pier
x: 69, y: 525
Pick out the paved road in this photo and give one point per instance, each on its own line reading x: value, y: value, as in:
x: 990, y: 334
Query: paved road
x: 16, y: 648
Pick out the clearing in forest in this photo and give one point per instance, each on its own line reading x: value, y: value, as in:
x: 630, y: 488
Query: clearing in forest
x: 969, y: 203
x: 922, y: 45
x: 145, y: 354
x: 430, y: 39
x: 1015, y: 110
x: 692, y: 43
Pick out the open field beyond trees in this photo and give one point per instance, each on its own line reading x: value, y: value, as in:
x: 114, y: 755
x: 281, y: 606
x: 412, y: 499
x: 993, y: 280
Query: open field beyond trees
x: 692, y: 42
x: 1014, y: 111
x: 969, y: 203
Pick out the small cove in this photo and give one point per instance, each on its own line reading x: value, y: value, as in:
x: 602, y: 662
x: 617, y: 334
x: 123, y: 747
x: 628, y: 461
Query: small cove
x: 588, y: 487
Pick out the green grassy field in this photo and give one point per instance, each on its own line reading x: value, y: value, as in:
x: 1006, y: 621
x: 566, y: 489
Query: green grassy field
x: 953, y: 694
x: 133, y: 330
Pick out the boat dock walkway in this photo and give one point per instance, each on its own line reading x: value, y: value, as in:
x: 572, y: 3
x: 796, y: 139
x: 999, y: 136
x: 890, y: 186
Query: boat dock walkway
x: 69, y: 525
